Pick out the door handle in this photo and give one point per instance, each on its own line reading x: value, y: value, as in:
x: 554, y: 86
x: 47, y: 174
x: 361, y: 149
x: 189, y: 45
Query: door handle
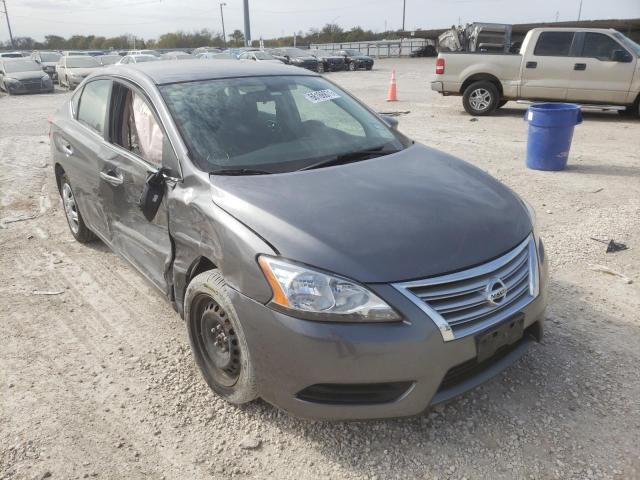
x: 532, y: 64
x: 67, y: 149
x: 580, y: 66
x: 112, y: 178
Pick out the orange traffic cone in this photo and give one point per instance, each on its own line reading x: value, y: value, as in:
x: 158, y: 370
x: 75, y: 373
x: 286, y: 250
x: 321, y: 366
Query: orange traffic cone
x: 392, y: 96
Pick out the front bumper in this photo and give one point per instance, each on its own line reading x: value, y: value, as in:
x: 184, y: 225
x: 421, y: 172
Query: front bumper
x: 291, y: 355
x: 24, y: 88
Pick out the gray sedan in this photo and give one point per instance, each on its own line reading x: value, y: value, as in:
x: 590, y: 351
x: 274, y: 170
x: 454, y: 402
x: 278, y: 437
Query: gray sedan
x: 24, y: 76
x: 321, y: 260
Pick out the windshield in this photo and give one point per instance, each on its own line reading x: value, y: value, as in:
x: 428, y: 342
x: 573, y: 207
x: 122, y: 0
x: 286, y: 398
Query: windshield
x: 145, y: 58
x: 274, y: 124
x: 82, y: 62
x: 263, y: 56
x: 628, y: 42
x: 294, y: 52
x: 21, y: 66
x: 49, y: 57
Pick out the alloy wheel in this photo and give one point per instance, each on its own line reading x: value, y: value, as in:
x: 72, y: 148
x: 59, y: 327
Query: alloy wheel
x: 70, y: 208
x: 480, y: 99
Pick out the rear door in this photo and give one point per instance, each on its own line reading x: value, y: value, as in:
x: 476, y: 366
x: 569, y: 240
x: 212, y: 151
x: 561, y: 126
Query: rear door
x: 137, y: 146
x: 545, y: 70
x: 596, y: 74
x: 81, y: 144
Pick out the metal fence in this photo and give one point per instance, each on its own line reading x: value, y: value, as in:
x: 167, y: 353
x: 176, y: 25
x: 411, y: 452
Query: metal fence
x: 379, y: 48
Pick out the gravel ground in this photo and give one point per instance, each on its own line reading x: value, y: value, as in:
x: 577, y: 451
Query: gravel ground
x: 98, y: 380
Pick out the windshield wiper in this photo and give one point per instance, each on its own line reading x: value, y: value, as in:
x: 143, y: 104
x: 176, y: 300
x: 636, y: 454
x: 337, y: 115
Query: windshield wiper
x: 350, y: 157
x: 239, y: 171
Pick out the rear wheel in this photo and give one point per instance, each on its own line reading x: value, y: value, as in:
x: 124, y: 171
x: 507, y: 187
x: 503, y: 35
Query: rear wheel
x: 217, y: 339
x: 631, y: 111
x: 321, y: 68
x: 352, y: 66
x: 74, y: 218
x: 480, y: 98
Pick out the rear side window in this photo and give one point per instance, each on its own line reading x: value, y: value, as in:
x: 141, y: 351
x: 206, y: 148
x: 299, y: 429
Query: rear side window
x: 554, y: 44
x: 93, y: 104
x: 597, y: 45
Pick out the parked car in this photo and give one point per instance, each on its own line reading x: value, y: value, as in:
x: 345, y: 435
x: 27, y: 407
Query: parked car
x: 73, y: 69
x: 328, y: 61
x: 296, y: 57
x: 105, y: 60
x: 259, y: 56
x: 216, y: 56
x: 141, y: 58
x: 155, y: 53
x: 75, y: 53
x: 355, y: 60
x: 200, y: 50
x: 11, y: 55
x: 425, y: 51
x: 176, y: 56
x: 321, y: 259
x: 48, y: 62
x: 582, y: 65
x: 23, y: 75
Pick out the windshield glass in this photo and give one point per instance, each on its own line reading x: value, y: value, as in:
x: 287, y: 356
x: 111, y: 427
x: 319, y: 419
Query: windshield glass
x: 263, y: 56
x: 274, y: 124
x: 21, y: 66
x: 145, y: 58
x: 628, y: 42
x: 49, y: 57
x: 82, y: 62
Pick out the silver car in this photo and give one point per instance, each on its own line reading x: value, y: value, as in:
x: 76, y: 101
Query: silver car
x: 74, y: 69
x: 321, y: 259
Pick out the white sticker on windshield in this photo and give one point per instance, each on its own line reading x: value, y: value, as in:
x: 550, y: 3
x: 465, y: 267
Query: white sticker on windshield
x: 321, y: 96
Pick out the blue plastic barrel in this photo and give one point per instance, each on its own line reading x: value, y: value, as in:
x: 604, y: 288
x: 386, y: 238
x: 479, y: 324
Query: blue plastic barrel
x: 550, y: 133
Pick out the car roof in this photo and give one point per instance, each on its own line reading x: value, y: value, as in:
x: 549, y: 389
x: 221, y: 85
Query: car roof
x: 176, y: 71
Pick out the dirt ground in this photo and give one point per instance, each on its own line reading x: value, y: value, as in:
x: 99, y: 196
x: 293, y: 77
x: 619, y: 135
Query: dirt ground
x: 97, y: 379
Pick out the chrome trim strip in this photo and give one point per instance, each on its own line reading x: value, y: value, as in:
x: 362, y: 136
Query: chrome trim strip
x: 445, y: 329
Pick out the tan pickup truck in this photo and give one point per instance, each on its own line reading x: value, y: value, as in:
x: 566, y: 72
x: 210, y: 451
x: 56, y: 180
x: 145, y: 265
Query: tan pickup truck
x: 583, y: 65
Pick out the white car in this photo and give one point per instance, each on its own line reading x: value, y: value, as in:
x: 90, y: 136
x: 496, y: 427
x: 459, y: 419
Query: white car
x: 131, y: 59
x: 259, y: 56
x: 72, y: 70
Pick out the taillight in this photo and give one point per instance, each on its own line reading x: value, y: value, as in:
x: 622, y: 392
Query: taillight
x: 440, y: 66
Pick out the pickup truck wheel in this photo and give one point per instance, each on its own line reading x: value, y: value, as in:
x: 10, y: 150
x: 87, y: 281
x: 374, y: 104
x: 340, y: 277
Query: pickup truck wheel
x: 217, y: 339
x: 480, y: 98
x: 74, y: 218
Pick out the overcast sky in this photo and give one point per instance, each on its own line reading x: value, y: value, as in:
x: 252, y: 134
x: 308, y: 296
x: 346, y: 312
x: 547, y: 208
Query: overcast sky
x: 269, y: 18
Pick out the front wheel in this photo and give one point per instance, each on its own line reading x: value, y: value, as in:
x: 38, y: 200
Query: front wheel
x: 352, y: 66
x: 217, y: 339
x: 321, y: 67
x: 480, y: 98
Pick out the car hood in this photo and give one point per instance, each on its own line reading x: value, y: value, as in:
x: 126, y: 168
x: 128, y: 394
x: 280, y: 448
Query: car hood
x: 303, y: 59
x: 409, y: 215
x: 83, y: 72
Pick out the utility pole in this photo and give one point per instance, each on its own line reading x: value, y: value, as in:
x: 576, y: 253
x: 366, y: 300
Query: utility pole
x: 580, y: 10
x: 404, y: 9
x: 6, y: 12
x: 224, y: 36
x: 247, y: 27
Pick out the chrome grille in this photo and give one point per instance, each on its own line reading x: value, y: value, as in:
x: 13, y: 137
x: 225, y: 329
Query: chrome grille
x: 458, y: 303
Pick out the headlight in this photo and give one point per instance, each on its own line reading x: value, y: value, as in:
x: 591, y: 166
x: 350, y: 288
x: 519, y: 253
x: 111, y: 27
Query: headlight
x: 11, y: 80
x: 314, y: 295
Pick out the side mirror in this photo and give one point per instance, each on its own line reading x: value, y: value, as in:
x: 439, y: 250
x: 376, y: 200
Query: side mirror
x: 391, y: 121
x: 621, y: 56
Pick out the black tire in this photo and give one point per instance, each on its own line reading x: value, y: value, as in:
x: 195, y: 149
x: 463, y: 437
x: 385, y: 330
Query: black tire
x: 480, y: 98
x: 321, y: 68
x: 502, y: 103
x: 78, y: 228
x: 631, y: 111
x: 217, y: 339
x: 352, y: 66
x: 369, y: 67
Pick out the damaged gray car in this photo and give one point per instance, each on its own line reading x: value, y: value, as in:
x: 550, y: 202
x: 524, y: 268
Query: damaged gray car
x: 321, y: 259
